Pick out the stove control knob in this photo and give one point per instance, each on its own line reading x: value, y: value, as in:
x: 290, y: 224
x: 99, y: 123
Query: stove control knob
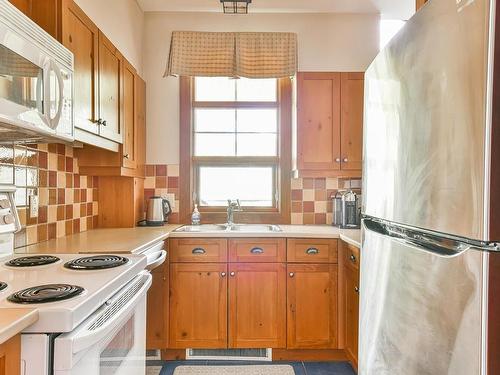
x: 8, y: 219
x: 4, y: 203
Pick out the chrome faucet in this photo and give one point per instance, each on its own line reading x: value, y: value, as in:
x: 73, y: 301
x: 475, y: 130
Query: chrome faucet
x: 232, y: 207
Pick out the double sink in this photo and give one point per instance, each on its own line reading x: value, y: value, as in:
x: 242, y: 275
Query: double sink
x: 245, y: 228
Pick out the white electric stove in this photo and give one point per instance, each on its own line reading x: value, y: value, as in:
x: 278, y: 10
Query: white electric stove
x: 92, y: 308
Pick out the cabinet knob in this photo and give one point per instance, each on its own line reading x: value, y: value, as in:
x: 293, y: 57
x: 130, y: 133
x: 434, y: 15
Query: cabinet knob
x: 312, y: 251
x: 223, y: 274
x: 356, y: 289
x: 353, y: 258
x: 198, y: 251
x: 257, y: 250
x: 337, y: 160
x: 292, y: 274
x: 345, y: 160
x: 233, y: 273
x: 126, y: 156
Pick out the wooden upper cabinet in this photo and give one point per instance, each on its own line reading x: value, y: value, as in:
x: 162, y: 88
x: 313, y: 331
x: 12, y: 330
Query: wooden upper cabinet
x: 351, y: 130
x: 198, y: 305
x: 420, y: 4
x: 81, y: 36
x: 110, y: 105
x: 257, y: 305
x: 330, y: 124
x: 312, y: 306
x: 318, y: 109
x: 23, y: 5
x: 130, y: 118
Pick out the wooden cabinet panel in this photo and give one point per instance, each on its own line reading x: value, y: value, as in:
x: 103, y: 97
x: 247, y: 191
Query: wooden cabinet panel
x: 257, y: 312
x: 23, y: 5
x: 157, y: 309
x: 351, y: 256
x: 257, y: 250
x: 420, y: 3
x: 318, y: 111
x: 197, y: 250
x: 80, y: 36
x: 130, y: 129
x: 351, y: 132
x: 10, y: 356
x: 311, y: 250
x: 351, y: 314
x: 198, y: 306
x: 140, y: 125
x: 110, y: 106
x: 312, y: 306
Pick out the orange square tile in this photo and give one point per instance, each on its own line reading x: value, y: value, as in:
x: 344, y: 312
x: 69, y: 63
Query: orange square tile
x: 308, y: 218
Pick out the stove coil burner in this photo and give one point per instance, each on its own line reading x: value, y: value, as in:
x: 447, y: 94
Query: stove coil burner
x: 3, y: 285
x: 31, y: 261
x: 46, y: 293
x: 97, y: 262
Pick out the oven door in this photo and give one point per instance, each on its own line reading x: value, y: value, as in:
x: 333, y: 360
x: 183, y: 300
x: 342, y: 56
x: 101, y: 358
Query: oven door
x: 112, y: 341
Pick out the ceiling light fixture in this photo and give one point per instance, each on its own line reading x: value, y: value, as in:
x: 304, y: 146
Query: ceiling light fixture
x: 235, y: 6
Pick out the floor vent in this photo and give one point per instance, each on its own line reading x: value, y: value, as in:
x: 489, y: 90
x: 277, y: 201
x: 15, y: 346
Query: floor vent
x: 230, y: 354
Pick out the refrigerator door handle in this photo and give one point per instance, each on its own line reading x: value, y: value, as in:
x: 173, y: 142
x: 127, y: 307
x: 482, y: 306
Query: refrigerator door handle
x: 438, y: 244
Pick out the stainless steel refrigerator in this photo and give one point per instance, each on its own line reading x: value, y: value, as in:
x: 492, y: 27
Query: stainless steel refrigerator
x: 430, y: 270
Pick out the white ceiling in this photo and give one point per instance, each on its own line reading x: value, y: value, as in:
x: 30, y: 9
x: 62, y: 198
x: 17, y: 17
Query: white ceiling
x: 397, y: 9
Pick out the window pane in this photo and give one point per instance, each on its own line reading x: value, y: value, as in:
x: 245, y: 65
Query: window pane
x: 253, y: 186
x: 214, y: 120
x: 256, y: 90
x: 257, y: 145
x: 214, y: 144
x: 257, y: 120
x: 214, y: 89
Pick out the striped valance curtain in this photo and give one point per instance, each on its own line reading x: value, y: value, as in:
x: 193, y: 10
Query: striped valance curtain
x: 223, y: 54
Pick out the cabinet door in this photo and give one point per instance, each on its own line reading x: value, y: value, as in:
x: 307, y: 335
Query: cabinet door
x: 140, y: 125
x: 80, y: 36
x: 198, y: 306
x: 351, y: 133
x: 351, y: 285
x: 157, y: 309
x: 318, y: 133
x: 10, y: 356
x: 130, y: 135
x: 257, y: 305
x: 110, y: 66
x: 312, y: 306
x: 23, y: 5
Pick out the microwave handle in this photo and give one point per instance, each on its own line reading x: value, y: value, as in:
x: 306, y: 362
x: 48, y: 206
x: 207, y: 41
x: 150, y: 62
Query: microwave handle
x: 83, y: 338
x: 53, y: 122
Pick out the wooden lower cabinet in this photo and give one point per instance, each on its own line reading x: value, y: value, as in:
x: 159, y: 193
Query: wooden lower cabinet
x: 351, y: 313
x: 157, y: 309
x: 198, y: 305
x: 312, y: 306
x: 257, y: 305
x: 10, y: 356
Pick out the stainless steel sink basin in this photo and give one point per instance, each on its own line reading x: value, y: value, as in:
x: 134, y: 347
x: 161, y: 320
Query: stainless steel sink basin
x: 246, y: 228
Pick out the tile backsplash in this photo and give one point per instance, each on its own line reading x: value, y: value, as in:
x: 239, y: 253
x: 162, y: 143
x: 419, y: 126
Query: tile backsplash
x: 163, y: 180
x: 311, y: 197
x: 67, y: 200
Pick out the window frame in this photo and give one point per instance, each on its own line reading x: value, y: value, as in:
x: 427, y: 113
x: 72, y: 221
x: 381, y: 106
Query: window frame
x: 280, y: 212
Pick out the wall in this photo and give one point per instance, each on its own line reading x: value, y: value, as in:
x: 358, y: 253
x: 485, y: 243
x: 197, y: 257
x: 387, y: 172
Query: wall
x: 67, y: 201
x: 122, y: 21
x: 327, y: 42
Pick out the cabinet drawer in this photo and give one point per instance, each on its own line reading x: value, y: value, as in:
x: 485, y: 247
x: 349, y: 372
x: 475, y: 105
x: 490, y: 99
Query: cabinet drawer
x: 351, y: 255
x: 256, y: 250
x: 187, y: 250
x: 311, y: 250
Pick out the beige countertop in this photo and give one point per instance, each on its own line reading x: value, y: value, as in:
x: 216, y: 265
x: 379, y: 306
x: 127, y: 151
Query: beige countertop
x: 135, y: 240
x: 119, y: 240
x: 13, y: 321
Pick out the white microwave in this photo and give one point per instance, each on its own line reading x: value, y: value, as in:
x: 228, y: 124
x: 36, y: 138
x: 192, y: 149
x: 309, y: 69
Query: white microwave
x: 36, y: 82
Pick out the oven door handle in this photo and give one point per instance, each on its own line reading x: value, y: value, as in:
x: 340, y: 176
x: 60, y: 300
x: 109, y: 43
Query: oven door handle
x: 105, y: 321
x: 158, y: 259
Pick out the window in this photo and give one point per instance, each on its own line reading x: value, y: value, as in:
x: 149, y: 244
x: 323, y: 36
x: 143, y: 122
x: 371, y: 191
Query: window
x: 388, y: 29
x: 237, y: 132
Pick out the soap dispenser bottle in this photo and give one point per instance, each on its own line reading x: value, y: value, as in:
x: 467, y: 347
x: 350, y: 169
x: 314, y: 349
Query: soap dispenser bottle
x: 195, y: 216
